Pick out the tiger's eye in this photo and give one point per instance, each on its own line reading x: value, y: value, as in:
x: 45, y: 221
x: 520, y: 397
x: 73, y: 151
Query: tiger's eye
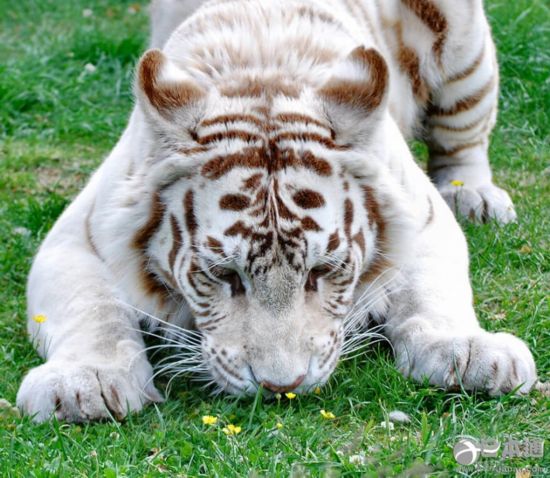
x: 233, y: 279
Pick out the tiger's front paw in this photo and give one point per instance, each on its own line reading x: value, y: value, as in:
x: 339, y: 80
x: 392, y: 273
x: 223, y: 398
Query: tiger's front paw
x: 81, y: 392
x: 479, y: 203
x: 495, y: 363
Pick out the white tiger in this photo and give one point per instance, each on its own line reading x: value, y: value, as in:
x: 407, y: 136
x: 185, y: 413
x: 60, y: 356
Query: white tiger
x: 264, y: 194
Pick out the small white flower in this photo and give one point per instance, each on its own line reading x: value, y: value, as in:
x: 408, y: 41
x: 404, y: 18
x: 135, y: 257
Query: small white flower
x: 397, y: 416
x: 388, y: 425
x: 89, y: 68
x: 87, y: 12
x: 359, y: 459
x: 21, y: 231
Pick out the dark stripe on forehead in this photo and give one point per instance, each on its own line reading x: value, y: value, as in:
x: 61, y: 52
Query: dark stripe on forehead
x: 253, y: 182
x: 308, y: 199
x: 232, y: 118
x: 221, y: 165
x: 258, y: 88
x: 234, y: 202
x: 300, y: 118
x: 308, y: 136
x: 228, y: 135
x: 260, y: 158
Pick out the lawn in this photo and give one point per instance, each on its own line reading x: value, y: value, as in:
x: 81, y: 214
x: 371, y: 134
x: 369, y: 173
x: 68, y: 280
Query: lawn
x: 65, y: 94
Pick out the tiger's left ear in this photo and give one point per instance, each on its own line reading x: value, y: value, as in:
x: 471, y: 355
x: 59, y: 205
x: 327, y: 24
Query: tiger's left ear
x: 164, y: 88
x: 356, y: 94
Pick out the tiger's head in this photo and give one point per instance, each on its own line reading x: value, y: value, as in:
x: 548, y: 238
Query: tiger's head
x: 269, y: 208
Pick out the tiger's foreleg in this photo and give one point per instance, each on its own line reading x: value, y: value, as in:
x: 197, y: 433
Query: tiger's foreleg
x: 96, y: 363
x: 432, y: 323
x: 459, y: 121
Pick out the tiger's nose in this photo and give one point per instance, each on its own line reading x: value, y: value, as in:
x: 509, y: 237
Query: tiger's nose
x: 283, y: 388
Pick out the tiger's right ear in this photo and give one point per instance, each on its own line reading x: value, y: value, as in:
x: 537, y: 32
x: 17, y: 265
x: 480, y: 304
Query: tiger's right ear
x: 163, y: 87
x: 356, y: 94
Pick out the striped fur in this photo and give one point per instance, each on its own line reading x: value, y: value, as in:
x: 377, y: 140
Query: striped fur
x: 263, y: 204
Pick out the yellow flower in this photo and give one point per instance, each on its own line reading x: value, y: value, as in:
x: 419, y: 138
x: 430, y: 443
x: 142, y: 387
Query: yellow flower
x: 327, y: 415
x: 317, y: 391
x: 39, y: 319
x: 209, y: 420
x: 290, y: 395
x: 279, y: 425
x: 231, y: 429
x: 457, y: 182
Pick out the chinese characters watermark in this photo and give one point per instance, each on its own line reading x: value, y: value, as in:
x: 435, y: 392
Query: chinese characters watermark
x: 468, y: 451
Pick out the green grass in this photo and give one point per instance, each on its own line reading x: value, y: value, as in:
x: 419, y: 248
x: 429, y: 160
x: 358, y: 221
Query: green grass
x: 58, y: 121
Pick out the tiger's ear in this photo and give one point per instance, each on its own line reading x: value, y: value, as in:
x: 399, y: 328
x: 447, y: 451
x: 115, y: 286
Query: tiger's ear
x: 355, y: 95
x: 164, y: 88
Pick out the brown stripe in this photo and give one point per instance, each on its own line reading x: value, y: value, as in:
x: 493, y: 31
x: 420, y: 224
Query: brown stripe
x: 454, y: 151
x: 465, y: 104
x: 192, y: 283
x: 214, y: 245
x: 194, y: 150
x: 238, y: 229
x: 150, y: 282
x: 380, y: 263
x: 258, y: 88
x: 462, y: 129
x: 309, y: 224
x: 228, y: 135
x: 253, y: 182
x: 308, y: 199
x: 471, y: 69
x: 232, y: 118
x: 300, y: 118
x: 333, y: 241
x: 432, y: 17
x: 308, y: 136
x: 144, y: 234
x: 234, y: 202
x: 359, y: 238
x: 348, y: 217
x: 219, y: 166
x: 409, y: 63
x: 311, y: 14
x: 176, y: 241
x: 321, y: 166
x: 189, y: 214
